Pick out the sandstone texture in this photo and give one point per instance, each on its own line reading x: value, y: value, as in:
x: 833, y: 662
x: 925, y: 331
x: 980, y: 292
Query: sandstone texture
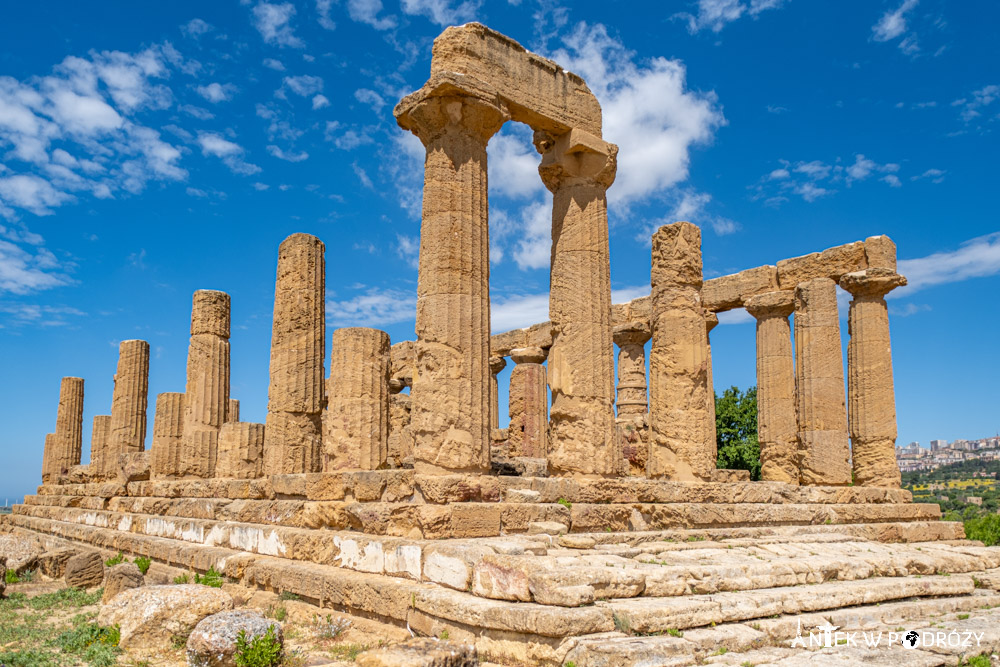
x: 119, y: 578
x: 128, y: 404
x: 212, y: 643
x: 85, y: 570
x: 528, y: 404
x: 240, y: 451
x: 167, y: 454
x: 206, y: 396
x: 21, y: 551
x: 421, y: 652
x: 151, y: 616
x: 53, y: 563
x: 68, y: 441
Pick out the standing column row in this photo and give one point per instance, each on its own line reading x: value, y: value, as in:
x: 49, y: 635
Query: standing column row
x: 68, y: 440
x: 206, y: 398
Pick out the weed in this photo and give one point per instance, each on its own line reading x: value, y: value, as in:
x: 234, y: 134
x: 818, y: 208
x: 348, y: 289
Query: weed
x: 332, y: 628
x: 182, y: 579
x: 963, y: 617
x: 978, y: 661
x: 348, y: 652
x: 67, y: 597
x: 722, y: 651
x: 565, y: 503
x: 143, y: 564
x: 288, y: 595
x: 696, y: 538
x: 277, y: 613
x: 116, y: 560
x: 674, y: 632
x: 212, y: 578
x: 570, y: 664
x: 261, y: 651
x: 444, y: 635
x: 179, y: 642
x: 11, y: 577
x: 622, y: 623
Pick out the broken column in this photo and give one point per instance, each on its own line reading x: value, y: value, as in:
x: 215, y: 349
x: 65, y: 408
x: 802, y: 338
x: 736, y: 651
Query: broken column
x: 528, y: 404
x: 49, y: 469
x: 68, y: 442
x: 207, y: 392
x: 681, y: 427
x: 129, y: 400
x: 777, y: 429
x: 578, y: 168
x: 711, y: 321
x: 356, y: 424
x: 293, y: 437
x: 824, y: 455
x: 233, y: 411
x: 631, y: 339
x: 497, y: 364
x: 450, y: 403
x: 871, y: 397
x: 99, y: 434
x: 168, y: 456
x: 241, y: 451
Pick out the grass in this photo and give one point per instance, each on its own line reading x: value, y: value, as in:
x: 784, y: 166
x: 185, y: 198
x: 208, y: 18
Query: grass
x: 117, y: 559
x: 963, y: 617
x: 182, y: 579
x: 143, y: 564
x: 978, y: 661
x: 348, y: 652
x: 212, y: 578
x: 674, y: 632
x: 565, y: 503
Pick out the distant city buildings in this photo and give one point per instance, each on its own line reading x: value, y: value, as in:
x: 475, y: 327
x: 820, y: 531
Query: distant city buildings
x: 913, y: 457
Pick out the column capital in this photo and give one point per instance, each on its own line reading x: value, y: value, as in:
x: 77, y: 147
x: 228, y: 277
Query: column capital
x: 497, y: 364
x: 871, y: 282
x: 631, y: 333
x: 528, y: 355
x: 780, y: 303
x: 434, y: 111
x: 575, y: 158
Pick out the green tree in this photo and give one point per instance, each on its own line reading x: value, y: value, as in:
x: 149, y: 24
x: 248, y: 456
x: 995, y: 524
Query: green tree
x: 736, y: 431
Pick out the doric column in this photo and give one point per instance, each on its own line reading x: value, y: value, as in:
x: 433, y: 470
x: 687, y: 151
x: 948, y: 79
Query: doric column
x: 169, y: 457
x: 711, y: 321
x: 241, y: 450
x: 871, y: 398
x: 578, y: 168
x: 631, y: 339
x: 528, y: 404
x: 356, y: 423
x: 233, y: 411
x: 824, y: 454
x: 295, y: 398
x: 69, y: 424
x: 49, y: 469
x: 681, y: 426
x: 129, y: 401
x: 207, y: 393
x: 497, y: 364
x: 450, y: 396
x: 777, y: 429
x: 99, y: 444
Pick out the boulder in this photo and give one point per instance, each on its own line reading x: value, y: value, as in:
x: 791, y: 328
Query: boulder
x: 421, y: 652
x: 53, y: 563
x: 21, y: 552
x: 151, y: 616
x: 119, y: 578
x: 213, y: 641
x: 85, y: 570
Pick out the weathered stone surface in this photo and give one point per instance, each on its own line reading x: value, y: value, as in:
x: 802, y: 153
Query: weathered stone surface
x: 22, y: 552
x: 880, y: 253
x: 832, y: 263
x: 206, y: 397
x: 824, y: 454
x: 128, y: 403
x: 356, y: 422
x: 630, y: 339
x: 528, y: 404
x: 119, y: 578
x: 296, y: 395
x: 497, y: 364
x: 421, y: 652
x: 133, y: 467
x: 681, y: 446
x: 167, y: 453
x: 100, y: 434
x: 53, y: 563
x: 728, y: 292
x: 240, y: 450
x: 399, y: 444
x: 85, y: 570
x: 151, y: 616
x: 3, y: 579
x: 68, y: 441
x: 212, y: 643
x: 233, y: 411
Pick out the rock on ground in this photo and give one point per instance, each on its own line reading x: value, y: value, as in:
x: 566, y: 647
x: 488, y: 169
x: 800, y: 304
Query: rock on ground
x: 421, y: 652
x: 151, y: 616
x: 213, y: 641
x: 53, y: 563
x: 120, y: 578
x: 21, y: 552
x: 85, y: 570
x: 3, y: 573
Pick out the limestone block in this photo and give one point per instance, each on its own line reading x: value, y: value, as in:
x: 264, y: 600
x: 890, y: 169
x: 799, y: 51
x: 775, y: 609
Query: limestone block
x: 212, y: 643
x: 21, y: 551
x: 210, y: 313
x: 728, y: 292
x: 240, y: 450
x: 402, y: 357
x: 400, y: 441
x: 356, y: 423
x: 832, y: 263
x: 119, y: 578
x: 133, y: 467
x: 69, y: 424
x: 85, y: 570
x: 99, y: 444
x: 421, y: 652
x: 128, y: 403
x: 292, y: 442
x: 151, y: 616
x: 880, y: 253
x: 53, y: 563
x: 167, y: 453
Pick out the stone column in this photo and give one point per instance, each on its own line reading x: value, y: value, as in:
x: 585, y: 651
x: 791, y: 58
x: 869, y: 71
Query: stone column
x: 681, y: 426
x: 528, y: 404
x: 241, y: 450
x: 824, y: 455
x: 497, y: 364
x: 49, y: 469
x: 356, y: 424
x: 711, y: 321
x: 293, y: 437
x: 631, y: 339
x: 99, y: 444
x: 207, y: 393
x: 168, y: 456
x: 578, y: 168
x: 129, y: 401
x: 777, y: 429
x: 400, y: 441
x: 233, y: 411
x: 871, y: 398
x: 69, y: 425
x: 450, y: 397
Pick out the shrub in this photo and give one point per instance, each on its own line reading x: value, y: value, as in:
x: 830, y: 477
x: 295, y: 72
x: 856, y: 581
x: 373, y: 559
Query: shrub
x: 143, y: 564
x: 288, y: 595
x: 211, y: 578
x: 565, y: 503
x: 11, y: 577
x: 261, y: 651
x: 182, y: 579
x: 116, y: 560
x: 332, y: 628
x: 986, y: 529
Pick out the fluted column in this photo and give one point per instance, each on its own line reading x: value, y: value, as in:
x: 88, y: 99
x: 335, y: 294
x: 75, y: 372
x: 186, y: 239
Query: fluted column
x: 207, y: 393
x: 497, y: 364
x: 129, y: 401
x: 711, y: 321
x: 528, y: 404
x: 69, y: 425
x: 49, y: 468
x: 168, y: 457
x: 777, y: 429
x: 233, y: 411
x: 819, y: 372
x: 631, y: 339
x: 293, y: 437
x: 578, y: 169
x: 681, y: 426
x: 99, y: 435
x: 871, y: 397
x: 356, y: 423
x: 450, y: 405
x: 241, y: 450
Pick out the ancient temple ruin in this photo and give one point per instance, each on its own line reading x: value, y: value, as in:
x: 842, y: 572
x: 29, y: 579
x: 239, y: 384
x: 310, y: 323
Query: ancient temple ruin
x: 414, y: 506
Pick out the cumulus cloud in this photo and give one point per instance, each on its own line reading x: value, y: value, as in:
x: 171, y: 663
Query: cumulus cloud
x: 303, y: 86
x: 442, y: 12
x: 934, y: 175
x: 26, y: 265
x: 217, y: 92
x: 344, y: 138
x: 976, y: 258
x: 273, y: 21
x: 523, y: 310
x: 287, y: 156
x: 972, y: 107
x: 320, y: 102
x: 715, y: 15
x: 371, y: 98
x: 276, y: 65
x: 408, y: 249
x: 691, y: 206
x: 815, y: 179
x: 323, y: 12
x: 367, y: 11
x: 195, y: 28
x: 374, y: 307
x: 231, y: 154
x: 893, y: 25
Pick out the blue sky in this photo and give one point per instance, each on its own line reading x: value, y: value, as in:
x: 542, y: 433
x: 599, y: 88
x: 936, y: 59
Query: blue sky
x: 149, y: 150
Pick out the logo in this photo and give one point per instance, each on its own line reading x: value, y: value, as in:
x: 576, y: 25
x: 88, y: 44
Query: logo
x: 830, y: 636
x: 911, y: 639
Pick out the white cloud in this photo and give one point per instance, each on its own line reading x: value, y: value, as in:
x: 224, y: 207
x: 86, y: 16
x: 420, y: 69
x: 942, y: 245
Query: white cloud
x: 371, y: 98
x: 716, y: 14
x: 346, y: 139
x: 362, y: 176
x: 814, y: 179
x: 231, y: 154
x: 276, y: 65
x: 935, y: 175
x: 260, y: 187
x: 26, y: 265
x: 408, y: 249
x: 24, y: 314
x: 691, y: 206
x: 442, y: 12
x: 971, y: 108
x: 524, y: 310
x: 273, y: 21
x: 217, y: 92
x: 366, y: 11
x: 513, y: 163
x: 195, y: 28
x: 526, y: 233
x: 320, y: 102
x: 375, y: 307
x: 976, y: 258
x: 304, y: 85
x: 323, y: 11
x: 196, y: 112
x: 288, y: 157
x: 893, y: 25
